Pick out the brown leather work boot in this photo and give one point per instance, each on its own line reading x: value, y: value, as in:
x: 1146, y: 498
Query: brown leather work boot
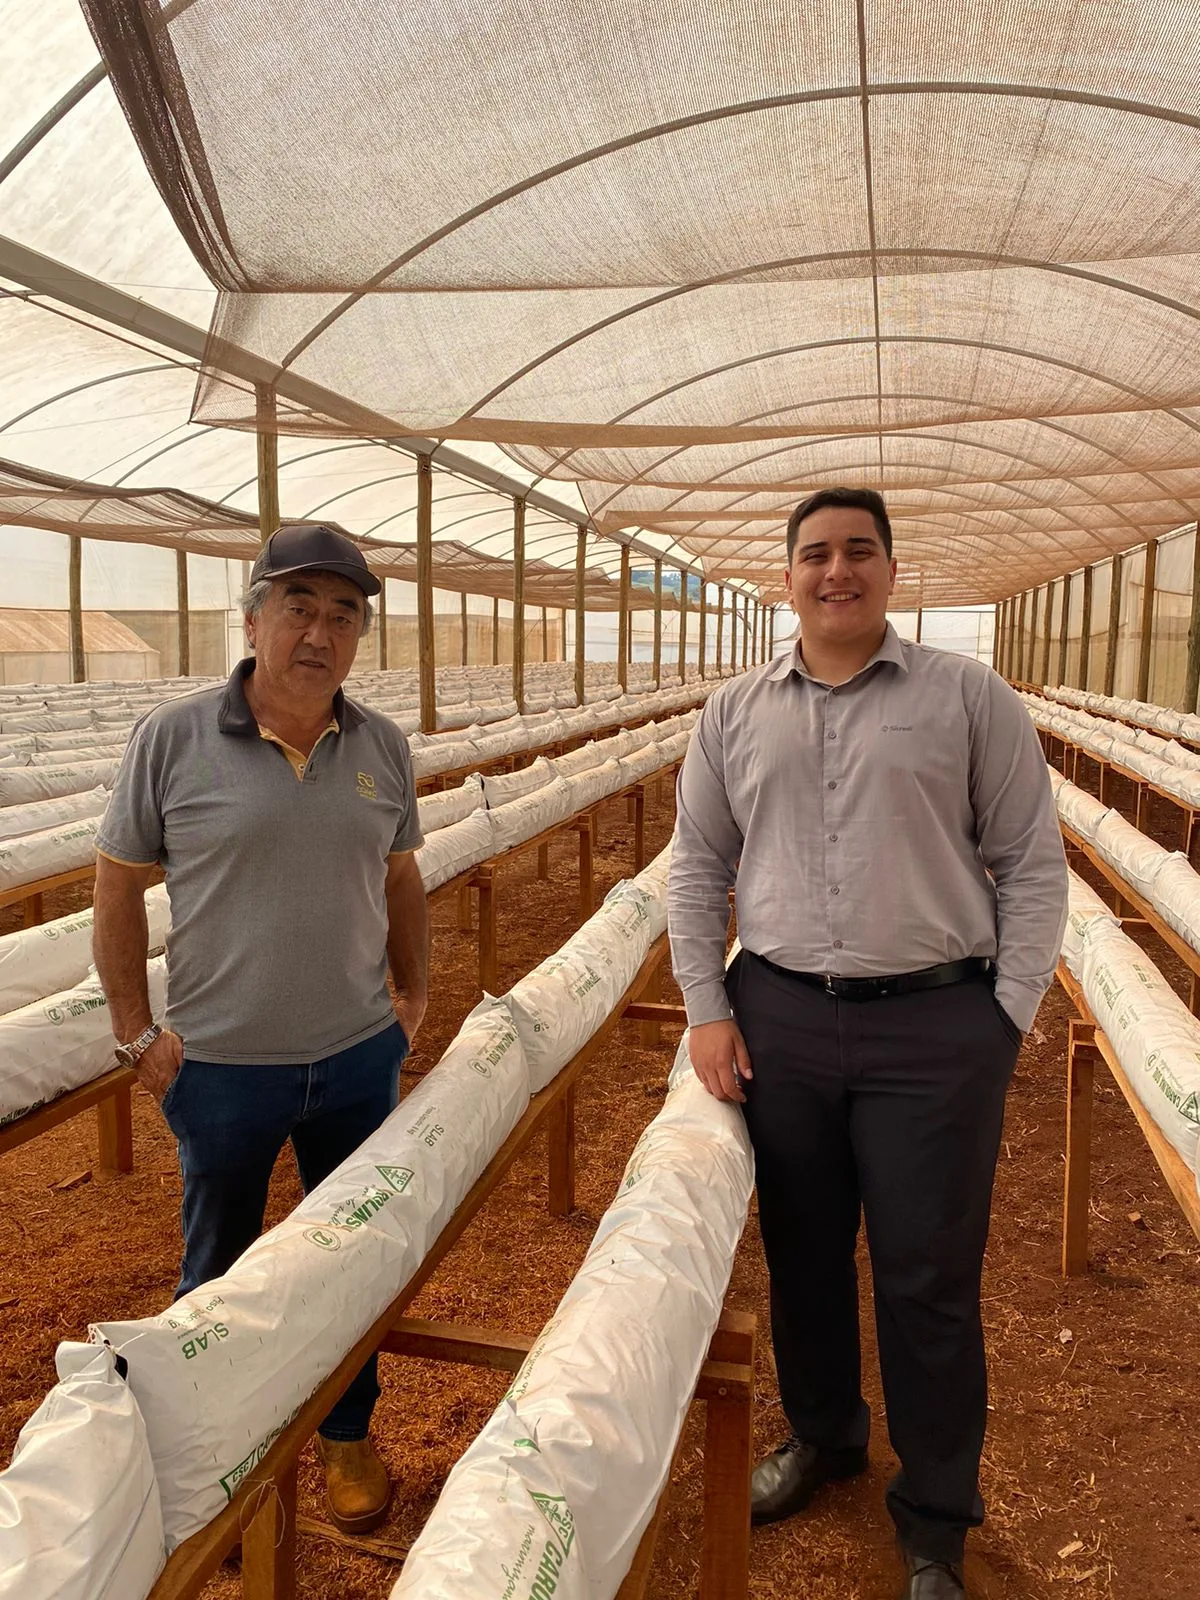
x: 358, y: 1489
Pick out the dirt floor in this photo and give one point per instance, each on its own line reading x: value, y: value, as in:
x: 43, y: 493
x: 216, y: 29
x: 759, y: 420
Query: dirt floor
x: 1092, y: 1464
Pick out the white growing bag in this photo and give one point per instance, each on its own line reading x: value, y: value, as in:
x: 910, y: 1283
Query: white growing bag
x: 582, y: 760
x: 31, y: 856
x: 440, y: 810
x: 219, y: 1374
x: 1138, y: 858
x: 499, y: 788
x: 652, y: 881
x: 532, y: 814
x: 62, y: 1041
x: 1177, y: 897
x: 554, y: 1495
x: 21, y: 785
x: 431, y: 758
x: 1156, y: 1038
x: 1080, y: 810
x: 16, y: 820
x: 79, y: 1509
x: 452, y: 850
x: 1085, y: 909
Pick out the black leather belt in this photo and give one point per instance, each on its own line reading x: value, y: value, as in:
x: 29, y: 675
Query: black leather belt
x: 882, y: 988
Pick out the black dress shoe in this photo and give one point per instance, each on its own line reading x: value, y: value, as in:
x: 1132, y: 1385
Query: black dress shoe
x: 933, y: 1580
x: 784, y: 1482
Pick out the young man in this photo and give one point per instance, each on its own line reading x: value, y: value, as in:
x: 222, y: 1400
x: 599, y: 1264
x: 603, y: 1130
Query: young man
x: 286, y: 819
x: 885, y: 813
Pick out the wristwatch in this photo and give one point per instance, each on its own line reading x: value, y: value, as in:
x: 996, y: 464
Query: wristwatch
x: 128, y: 1055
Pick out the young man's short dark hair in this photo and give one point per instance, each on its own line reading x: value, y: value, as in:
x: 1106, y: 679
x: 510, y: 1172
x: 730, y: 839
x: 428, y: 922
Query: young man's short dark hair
x: 854, y: 499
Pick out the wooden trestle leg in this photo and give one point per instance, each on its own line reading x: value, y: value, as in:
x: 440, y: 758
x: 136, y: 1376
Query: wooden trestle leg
x: 269, y: 1542
x: 560, y: 1128
x: 1082, y: 1056
x: 114, y: 1119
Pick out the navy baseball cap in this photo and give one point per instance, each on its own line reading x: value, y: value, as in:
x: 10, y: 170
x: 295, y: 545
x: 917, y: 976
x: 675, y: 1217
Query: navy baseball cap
x: 313, y: 547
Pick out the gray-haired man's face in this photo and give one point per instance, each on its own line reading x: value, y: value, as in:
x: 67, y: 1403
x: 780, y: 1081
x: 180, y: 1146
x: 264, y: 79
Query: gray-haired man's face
x: 306, y: 635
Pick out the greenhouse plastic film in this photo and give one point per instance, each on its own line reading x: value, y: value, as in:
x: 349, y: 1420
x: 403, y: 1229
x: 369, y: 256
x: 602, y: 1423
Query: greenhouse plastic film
x: 1155, y: 1036
x: 557, y: 1490
x: 220, y: 1373
x: 79, y: 1509
x: 62, y: 1041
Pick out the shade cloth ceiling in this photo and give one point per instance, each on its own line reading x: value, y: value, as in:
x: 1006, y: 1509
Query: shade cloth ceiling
x: 173, y: 519
x: 705, y: 258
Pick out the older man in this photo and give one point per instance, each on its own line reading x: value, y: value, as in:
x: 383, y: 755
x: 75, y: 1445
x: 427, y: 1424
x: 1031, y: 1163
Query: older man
x: 901, y: 890
x: 286, y: 819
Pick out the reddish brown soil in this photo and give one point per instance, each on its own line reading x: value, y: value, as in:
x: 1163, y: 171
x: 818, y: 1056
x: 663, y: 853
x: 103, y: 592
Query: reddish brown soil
x: 1093, y: 1450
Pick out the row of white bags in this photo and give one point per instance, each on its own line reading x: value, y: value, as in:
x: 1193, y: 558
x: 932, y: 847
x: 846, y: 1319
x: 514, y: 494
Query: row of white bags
x: 555, y: 1493
x: 29, y: 857
x: 40, y: 961
x: 1165, y: 718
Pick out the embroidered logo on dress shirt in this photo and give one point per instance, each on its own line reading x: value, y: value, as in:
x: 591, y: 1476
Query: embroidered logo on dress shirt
x: 892, y: 727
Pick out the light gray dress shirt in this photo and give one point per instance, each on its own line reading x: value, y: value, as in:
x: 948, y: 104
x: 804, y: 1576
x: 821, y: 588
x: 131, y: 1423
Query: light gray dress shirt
x: 896, y: 821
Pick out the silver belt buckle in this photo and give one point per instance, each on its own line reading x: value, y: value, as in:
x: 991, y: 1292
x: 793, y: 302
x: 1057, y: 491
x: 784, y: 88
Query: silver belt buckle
x: 829, y: 982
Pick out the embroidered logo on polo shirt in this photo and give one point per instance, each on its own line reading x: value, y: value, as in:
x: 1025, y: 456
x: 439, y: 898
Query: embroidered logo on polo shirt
x: 366, y: 786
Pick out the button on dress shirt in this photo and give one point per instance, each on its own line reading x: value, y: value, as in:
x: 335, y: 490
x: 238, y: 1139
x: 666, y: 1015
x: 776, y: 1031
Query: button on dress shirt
x: 893, y: 822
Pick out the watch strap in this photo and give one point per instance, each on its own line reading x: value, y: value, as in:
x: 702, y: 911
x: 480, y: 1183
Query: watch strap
x: 130, y: 1054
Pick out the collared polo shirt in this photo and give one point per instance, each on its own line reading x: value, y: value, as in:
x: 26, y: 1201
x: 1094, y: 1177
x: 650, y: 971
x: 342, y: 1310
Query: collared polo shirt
x: 893, y: 822
x: 278, y: 943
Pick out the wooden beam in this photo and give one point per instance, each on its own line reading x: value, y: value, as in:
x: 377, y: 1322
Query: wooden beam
x: 1085, y: 630
x: 518, y: 660
x: 1114, y: 625
x: 623, y: 623
x: 267, y: 436
x: 580, y: 614
x: 1146, y: 633
x: 1064, y: 624
x: 656, y: 665
x: 683, y: 615
x: 462, y: 614
x: 426, y: 657
x: 381, y: 626
x: 183, y: 617
x: 1191, y: 682
x: 75, y: 608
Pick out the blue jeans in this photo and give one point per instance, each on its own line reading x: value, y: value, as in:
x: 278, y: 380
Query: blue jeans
x: 231, y: 1122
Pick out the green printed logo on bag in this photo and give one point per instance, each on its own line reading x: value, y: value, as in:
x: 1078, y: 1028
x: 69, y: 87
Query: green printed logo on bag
x: 398, y: 1177
x: 323, y: 1239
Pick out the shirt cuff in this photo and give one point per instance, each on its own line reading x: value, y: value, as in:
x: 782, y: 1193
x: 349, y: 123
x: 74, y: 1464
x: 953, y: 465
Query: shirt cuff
x: 706, y: 1002
x: 1019, y: 1000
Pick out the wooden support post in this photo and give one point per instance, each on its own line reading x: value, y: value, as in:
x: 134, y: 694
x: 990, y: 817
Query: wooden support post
x: 426, y: 655
x: 114, y: 1121
x: 717, y: 662
x: 1114, y: 625
x: 745, y: 631
x: 639, y: 827
x: 920, y: 622
x: 495, y: 632
x: 725, y: 1540
x: 656, y: 664
x: 466, y: 920
x: 1085, y: 630
x: 75, y: 609
x: 702, y: 646
x: 650, y: 1033
x: 545, y: 635
x: 771, y: 635
x: 623, y: 622
x: 1145, y: 802
x: 269, y: 1541
x: 543, y: 860
x: 1082, y: 1055
x: 561, y: 1139
x: 996, y: 611
x: 1146, y: 638
x: 683, y: 613
x: 1064, y: 622
x: 562, y: 631
x: 518, y: 659
x: 381, y: 625
x: 1047, y: 622
x: 1019, y: 663
x: 580, y: 615
x: 1191, y: 682
x: 267, y: 437
x: 183, y: 618
x: 586, y: 827
x: 489, y: 958
x: 463, y: 637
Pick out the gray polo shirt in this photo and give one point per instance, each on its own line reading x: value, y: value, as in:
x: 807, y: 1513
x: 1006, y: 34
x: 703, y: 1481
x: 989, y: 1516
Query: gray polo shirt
x: 861, y: 823
x: 278, y: 944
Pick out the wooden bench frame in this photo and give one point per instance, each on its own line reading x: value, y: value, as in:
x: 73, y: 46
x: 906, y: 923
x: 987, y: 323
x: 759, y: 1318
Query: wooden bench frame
x: 1089, y: 1044
x: 110, y: 1095
x: 262, y: 1513
x: 1145, y: 789
x: 29, y: 895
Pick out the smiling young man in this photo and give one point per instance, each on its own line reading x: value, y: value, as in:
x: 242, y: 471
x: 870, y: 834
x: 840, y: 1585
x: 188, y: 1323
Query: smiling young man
x: 285, y: 817
x: 885, y: 813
